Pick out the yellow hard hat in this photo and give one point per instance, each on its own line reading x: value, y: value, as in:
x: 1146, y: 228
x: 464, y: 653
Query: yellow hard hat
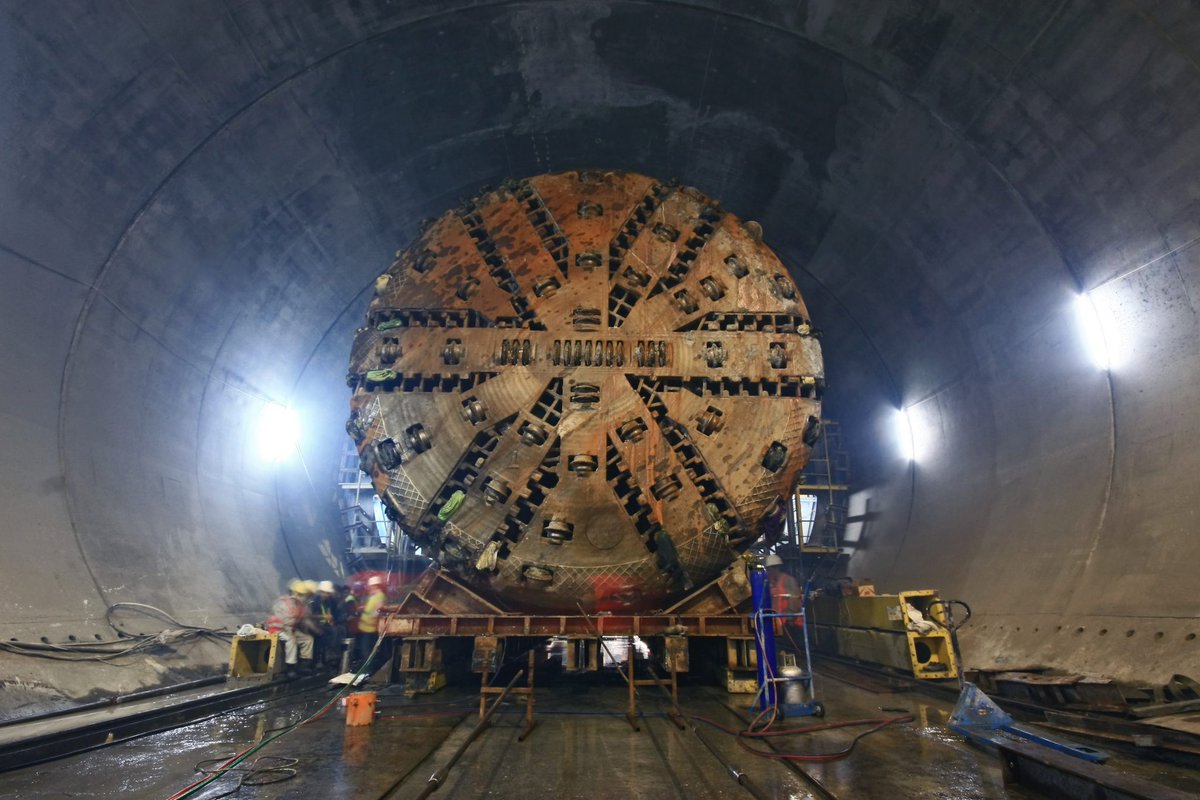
x: 296, y: 586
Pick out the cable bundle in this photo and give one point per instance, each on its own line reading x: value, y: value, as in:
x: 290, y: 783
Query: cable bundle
x: 127, y: 644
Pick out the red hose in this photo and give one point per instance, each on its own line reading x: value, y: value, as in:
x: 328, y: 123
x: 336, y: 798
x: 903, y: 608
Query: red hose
x: 876, y: 723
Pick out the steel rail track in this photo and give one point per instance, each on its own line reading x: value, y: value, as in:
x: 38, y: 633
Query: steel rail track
x: 689, y: 731
x: 685, y: 722
x: 819, y: 788
x: 58, y: 744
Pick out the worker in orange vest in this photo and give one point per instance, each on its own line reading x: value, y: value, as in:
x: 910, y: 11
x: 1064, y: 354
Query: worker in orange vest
x: 289, y: 619
x: 785, y: 594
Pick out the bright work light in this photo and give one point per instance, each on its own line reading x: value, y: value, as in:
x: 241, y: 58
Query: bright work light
x: 1095, y: 338
x: 905, y: 441
x: 278, y: 432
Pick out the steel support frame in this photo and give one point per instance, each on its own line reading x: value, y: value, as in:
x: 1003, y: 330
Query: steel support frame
x: 632, y: 681
x: 526, y: 691
x: 1059, y: 775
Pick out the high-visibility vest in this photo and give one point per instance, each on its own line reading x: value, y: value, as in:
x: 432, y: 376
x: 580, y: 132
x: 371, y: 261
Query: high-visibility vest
x: 785, y: 599
x: 286, y: 614
x: 368, y: 620
x: 324, y: 611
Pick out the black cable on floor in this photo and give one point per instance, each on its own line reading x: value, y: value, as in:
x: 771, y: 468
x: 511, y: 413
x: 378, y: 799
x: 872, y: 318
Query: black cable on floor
x: 261, y: 771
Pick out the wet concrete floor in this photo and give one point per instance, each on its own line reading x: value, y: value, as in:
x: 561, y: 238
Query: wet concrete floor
x: 582, y: 747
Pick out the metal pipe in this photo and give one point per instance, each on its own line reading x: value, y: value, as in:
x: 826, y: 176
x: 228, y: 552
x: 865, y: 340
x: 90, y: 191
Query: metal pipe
x: 604, y: 644
x: 439, y: 775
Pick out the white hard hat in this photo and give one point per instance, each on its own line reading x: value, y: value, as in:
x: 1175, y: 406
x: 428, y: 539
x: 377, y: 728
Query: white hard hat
x: 375, y: 580
x: 774, y: 561
x: 325, y: 586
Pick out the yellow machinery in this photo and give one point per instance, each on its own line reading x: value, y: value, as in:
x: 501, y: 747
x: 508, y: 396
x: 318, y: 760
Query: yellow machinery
x: 905, y: 631
x: 741, y: 665
x: 420, y: 660
x: 254, y: 657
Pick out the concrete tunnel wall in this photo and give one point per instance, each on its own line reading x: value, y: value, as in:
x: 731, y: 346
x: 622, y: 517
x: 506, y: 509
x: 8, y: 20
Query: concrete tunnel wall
x: 194, y: 200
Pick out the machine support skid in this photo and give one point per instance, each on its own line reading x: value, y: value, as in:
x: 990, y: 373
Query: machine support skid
x: 440, y: 611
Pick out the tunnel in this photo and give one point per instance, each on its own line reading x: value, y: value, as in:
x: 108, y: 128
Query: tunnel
x: 196, y: 199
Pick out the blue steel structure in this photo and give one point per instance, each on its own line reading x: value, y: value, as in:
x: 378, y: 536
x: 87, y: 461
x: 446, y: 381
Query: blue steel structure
x: 764, y: 645
x: 764, y: 638
x: 977, y: 717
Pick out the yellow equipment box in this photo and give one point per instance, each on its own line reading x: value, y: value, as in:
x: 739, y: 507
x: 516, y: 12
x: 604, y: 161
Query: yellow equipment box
x: 254, y: 657
x: 905, y: 631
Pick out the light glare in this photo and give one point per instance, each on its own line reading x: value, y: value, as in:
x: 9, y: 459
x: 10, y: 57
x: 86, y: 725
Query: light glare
x: 1095, y: 338
x: 905, y: 440
x: 278, y: 432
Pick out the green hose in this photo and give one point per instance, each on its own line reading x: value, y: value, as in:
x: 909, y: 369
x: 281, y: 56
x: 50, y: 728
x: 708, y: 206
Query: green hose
x: 380, y: 375
x: 451, y: 507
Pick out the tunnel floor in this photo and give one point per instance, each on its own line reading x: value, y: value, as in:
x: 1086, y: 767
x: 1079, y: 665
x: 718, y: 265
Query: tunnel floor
x: 582, y: 747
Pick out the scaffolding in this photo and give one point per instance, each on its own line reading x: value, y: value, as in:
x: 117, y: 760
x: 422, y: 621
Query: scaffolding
x: 816, y: 526
x: 372, y: 540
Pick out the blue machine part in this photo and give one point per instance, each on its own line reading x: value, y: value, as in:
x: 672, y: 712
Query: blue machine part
x: 764, y: 638
x: 975, y: 711
x: 977, y: 717
x: 798, y: 699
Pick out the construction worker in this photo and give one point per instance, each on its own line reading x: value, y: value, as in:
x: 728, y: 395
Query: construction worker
x: 327, y: 612
x: 289, y: 619
x: 351, y: 606
x: 368, y: 617
x: 785, y: 594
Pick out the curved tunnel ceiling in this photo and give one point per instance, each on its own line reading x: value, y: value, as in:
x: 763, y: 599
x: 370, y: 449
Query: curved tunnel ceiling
x: 195, y: 202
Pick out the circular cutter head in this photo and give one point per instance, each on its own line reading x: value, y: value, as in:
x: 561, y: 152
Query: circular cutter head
x: 586, y: 388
